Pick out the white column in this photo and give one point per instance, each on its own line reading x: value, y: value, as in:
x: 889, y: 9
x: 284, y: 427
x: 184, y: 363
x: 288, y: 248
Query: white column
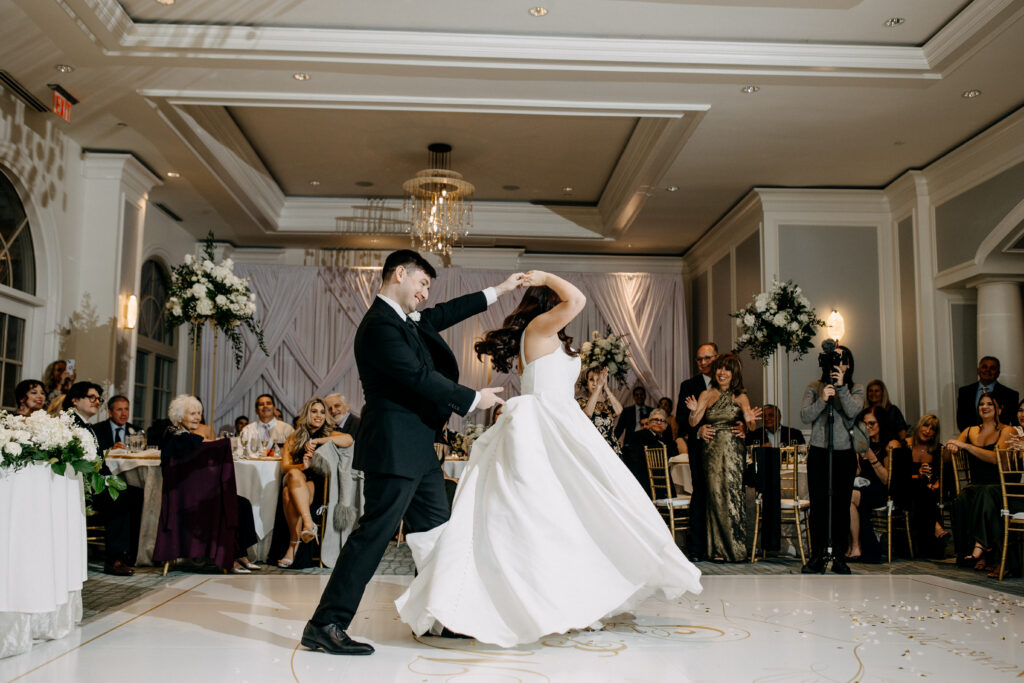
x: 1001, y: 328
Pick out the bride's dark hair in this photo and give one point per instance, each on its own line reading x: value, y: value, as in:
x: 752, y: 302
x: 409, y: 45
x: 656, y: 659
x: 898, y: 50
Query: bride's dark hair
x: 502, y: 344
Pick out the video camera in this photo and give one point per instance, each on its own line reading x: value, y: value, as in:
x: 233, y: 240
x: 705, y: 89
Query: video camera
x: 831, y: 356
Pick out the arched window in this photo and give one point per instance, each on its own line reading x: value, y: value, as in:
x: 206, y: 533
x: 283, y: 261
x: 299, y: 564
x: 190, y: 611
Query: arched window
x: 155, y: 356
x: 17, y: 271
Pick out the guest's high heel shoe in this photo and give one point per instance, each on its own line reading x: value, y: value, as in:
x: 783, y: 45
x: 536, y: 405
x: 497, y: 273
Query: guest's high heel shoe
x: 307, y: 535
x: 283, y: 563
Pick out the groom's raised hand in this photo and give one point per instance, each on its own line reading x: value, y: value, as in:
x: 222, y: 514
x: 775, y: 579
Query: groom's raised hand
x: 489, y: 397
x: 511, y: 284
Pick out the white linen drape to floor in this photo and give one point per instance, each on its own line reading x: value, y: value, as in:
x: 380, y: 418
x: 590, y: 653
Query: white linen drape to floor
x: 42, y: 556
x: 310, y: 315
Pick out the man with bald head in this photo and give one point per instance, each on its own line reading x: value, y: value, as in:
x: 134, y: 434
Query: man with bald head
x: 337, y: 406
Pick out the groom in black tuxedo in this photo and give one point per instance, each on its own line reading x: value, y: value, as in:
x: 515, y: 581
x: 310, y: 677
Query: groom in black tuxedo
x: 410, y: 385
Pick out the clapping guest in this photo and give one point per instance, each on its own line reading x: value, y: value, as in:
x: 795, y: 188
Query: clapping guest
x: 921, y: 496
x: 315, y: 428
x: 772, y: 432
x: 30, y: 395
x: 600, y: 405
x: 870, y: 484
x: 976, y: 521
x: 876, y: 394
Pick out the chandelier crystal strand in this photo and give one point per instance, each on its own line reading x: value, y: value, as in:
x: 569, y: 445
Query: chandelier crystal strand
x: 439, y: 204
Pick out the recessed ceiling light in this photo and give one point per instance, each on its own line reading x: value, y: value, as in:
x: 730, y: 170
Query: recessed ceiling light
x: 166, y: 2
x: 538, y: 11
x: 970, y: 94
x: 301, y: 76
x: 510, y: 188
x: 122, y: 124
x: 567, y: 188
x: 64, y: 68
x: 173, y: 174
x: 672, y: 188
x: 899, y: 143
x: 750, y: 89
x: 894, y: 21
x: 314, y: 183
x: 364, y: 183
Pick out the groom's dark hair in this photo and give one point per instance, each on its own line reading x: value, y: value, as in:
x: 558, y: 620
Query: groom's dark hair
x: 408, y: 258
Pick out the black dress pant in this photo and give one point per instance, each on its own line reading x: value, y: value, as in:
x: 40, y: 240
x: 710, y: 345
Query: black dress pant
x: 697, y: 534
x: 844, y: 467
x: 421, y: 501
x: 121, y: 520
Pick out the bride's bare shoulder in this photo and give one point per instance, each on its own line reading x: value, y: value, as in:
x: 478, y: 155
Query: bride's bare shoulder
x: 536, y: 344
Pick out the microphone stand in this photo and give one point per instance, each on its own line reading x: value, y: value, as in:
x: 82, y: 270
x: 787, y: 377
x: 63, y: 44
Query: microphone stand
x: 830, y: 414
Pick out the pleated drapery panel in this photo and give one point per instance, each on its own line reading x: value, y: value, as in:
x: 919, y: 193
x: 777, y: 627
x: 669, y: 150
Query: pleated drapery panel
x: 310, y: 315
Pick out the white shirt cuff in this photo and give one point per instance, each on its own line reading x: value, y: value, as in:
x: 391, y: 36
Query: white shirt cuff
x: 472, y: 406
x: 492, y: 296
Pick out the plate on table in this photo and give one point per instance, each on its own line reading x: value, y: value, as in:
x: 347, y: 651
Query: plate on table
x: 264, y: 457
x: 129, y: 455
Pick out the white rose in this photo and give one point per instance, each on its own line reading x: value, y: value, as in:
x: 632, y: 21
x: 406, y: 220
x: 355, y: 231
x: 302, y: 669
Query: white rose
x: 198, y: 291
x: 618, y: 357
x: 176, y: 310
x: 208, y: 265
x: 13, y: 448
x: 761, y: 302
x: 748, y: 320
x: 221, y: 300
x: 781, y: 319
x: 227, y: 264
x: 204, y: 307
x: 189, y: 259
x: 794, y: 326
x: 585, y: 349
x: 612, y: 368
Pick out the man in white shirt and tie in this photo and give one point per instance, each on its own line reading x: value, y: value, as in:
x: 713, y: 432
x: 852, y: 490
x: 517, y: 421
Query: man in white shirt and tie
x: 112, y: 432
x: 267, y: 428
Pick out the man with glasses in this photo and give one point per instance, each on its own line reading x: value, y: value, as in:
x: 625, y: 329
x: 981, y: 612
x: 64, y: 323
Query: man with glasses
x: 697, y: 536
x: 968, y: 396
x: 654, y: 434
x: 85, y: 398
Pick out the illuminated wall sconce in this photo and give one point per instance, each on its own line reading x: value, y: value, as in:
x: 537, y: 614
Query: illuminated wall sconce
x: 130, y: 312
x: 835, y: 326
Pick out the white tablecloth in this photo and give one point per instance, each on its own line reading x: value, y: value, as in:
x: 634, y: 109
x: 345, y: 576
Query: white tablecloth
x: 679, y: 471
x: 119, y: 463
x: 260, y: 482
x: 453, y: 467
x: 42, y: 556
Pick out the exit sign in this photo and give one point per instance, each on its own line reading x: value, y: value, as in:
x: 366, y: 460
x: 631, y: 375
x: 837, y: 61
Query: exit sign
x: 62, y: 102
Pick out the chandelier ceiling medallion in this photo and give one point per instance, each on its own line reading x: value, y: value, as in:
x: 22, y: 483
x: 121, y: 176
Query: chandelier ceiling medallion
x: 439, y: 204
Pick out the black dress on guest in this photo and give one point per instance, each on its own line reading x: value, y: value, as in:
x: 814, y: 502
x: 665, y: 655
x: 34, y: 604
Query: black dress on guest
x: 305, y: 552
x: 873, y: 495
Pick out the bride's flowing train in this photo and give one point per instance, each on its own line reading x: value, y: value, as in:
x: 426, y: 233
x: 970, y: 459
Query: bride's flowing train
x: 549, y: 530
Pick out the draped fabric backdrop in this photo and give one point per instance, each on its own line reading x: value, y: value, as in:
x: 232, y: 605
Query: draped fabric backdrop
x: 310, y: 315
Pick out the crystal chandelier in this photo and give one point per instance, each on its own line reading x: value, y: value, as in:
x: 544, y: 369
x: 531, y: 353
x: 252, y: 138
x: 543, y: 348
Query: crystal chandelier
x: 439, y: 204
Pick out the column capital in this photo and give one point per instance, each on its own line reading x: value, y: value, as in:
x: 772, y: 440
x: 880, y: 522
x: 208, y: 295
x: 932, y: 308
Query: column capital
x: 994, y: 279
x: 136, y: 178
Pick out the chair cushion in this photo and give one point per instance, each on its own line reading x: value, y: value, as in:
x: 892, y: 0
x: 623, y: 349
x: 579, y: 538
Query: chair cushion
x: 673, y: 502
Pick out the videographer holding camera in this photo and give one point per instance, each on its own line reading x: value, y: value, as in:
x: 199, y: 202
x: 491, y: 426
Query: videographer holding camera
x: 830, y: 405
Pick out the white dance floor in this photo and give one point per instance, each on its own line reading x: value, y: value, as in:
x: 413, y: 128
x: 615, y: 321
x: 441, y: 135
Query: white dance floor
x: 777, y: 628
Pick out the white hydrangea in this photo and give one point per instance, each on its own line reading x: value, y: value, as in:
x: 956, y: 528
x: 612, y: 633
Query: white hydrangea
x: 748, y: 320
x: 794, y: 326
x: 13, y: 448
x: 761, y: 302
x: 780, y: 319
x: 585, y: 349
x: 204, y: 307
x: 189, y: 259
x: 198, y: 291
x: 221, y: 300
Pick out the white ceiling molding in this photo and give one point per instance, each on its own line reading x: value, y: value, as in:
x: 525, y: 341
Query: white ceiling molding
x: 972, y: 29
x: 594, y: 263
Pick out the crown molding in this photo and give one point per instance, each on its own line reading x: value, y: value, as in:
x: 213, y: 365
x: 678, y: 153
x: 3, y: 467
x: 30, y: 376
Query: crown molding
x: 599, y: 263
x: 974, y: 27
x: 824, y: 207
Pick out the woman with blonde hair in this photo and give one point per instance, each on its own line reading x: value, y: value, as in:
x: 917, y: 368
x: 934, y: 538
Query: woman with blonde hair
x: 314, y: 427
x: 921, y: 493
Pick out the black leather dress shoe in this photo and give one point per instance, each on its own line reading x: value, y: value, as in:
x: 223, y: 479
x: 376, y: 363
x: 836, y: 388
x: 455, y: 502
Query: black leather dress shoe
x: 119, y: 568
x: 448, y: 633
x: 332, y: 639
x: 815, y: 566
x: 840, y: 567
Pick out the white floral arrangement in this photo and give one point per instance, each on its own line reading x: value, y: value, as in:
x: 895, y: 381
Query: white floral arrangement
x: 58, y: 442
x: 609, y: 351
x: 462, y: 443
x: 782, y: 316
x: 203, y: 291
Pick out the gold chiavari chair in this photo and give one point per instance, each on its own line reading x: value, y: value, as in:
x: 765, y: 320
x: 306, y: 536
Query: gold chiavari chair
x: 795, y: 510
x: 674, y: 510
x: 882, y: 517
x: 1011, y: 481
x: 961, y: 470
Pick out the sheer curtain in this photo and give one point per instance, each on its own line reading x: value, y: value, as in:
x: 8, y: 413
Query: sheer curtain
x: 310, y: 315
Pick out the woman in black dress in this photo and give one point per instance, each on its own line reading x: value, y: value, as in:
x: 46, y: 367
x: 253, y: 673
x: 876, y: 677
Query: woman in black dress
x: 870, y: 485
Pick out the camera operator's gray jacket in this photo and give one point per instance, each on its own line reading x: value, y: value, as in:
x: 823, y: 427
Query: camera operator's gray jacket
x: 848, y: 404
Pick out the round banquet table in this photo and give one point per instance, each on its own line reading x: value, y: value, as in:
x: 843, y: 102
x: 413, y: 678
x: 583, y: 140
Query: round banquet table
x: 43, y: 558
x: 453, y: 467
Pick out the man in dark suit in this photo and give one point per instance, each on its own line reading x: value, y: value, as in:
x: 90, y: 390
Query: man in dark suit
x: 111, y: 433
x: 630, y: 420
x: 967, y: 397
x: 653, y: 435
x: 697, y: 536
x: 410, y: 383
x: 344, y: 420
x: 772, y: 432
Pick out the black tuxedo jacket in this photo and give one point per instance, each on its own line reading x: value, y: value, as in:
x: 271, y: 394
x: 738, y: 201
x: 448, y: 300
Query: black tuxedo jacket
x: 967, y: 409
x: 104, y: 432
x: 627, y: 421
x: 410, y: 385
x: 645, y: 438
x: 788, y: 435
x: 350, y: 426
x: 690, y: 387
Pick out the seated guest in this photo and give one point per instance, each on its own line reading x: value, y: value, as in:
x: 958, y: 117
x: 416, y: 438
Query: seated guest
x: 30, y: 395
x: 186, y: 414
x: 977, y: 525
x: 1017, y: 439
x: 345, y: 421
x: 84, y: 398
x: 111, y: 433
x: 772, y: 432
x: 629, y: 419
x: 57, y: 379
x: 315, y: 428
x: 240, y: 423
x: 919, y: 493
x: 267, y: 428
x: 600, y: 404
x: 870, y: 485
x: 666, y: 404
x: 495, y: 413
x: 654, y: 434
x: 876, y: 394
x: 968, y: 397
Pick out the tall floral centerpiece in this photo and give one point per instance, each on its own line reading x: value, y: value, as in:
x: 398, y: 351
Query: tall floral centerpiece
x: 608, y: 351
x: 204, y: 292
x: 779, y: 319
x: 57, y: 442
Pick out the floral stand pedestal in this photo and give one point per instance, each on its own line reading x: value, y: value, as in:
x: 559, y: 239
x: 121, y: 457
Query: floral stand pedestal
x: 42, y: 556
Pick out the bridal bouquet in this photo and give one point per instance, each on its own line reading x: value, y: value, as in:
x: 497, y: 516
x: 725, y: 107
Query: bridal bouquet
x: 201, y: 290
x: 462, y: 443
x: 57, y: 442
x: 609, y: 351
x: 782, y: 316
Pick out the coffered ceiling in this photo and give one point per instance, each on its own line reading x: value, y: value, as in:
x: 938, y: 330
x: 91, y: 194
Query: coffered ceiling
x: 638, y: 107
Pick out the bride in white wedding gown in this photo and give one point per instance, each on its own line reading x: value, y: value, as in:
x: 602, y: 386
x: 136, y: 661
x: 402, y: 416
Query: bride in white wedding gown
x: 549, y: 531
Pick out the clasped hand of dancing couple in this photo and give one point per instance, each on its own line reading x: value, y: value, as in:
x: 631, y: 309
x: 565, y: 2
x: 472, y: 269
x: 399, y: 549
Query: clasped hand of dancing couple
x: 548, y: 532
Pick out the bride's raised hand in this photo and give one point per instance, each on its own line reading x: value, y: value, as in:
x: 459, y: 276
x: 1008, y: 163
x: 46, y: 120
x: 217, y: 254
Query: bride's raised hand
x: 534, y: 278
x: 511, y: 284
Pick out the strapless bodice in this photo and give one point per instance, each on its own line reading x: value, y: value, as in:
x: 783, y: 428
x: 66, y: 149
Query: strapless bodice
x: 552, y: 375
